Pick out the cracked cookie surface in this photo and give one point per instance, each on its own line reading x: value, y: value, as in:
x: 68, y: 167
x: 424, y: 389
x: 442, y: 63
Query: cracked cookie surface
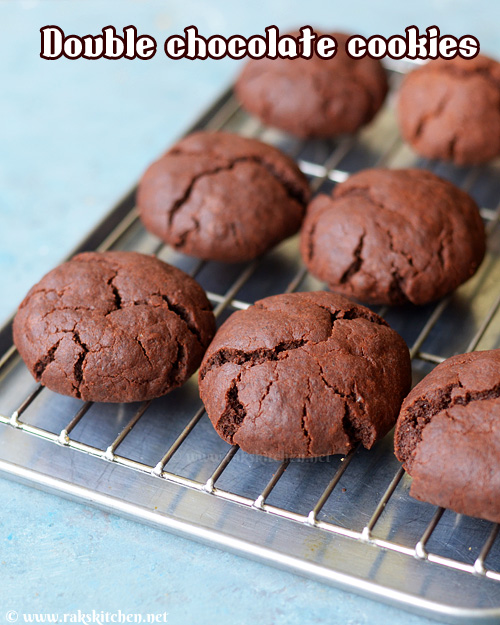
x: 304, y: 375
x: 450, y: 109
x: 114, y: 327
x: 448, y: 435
x: 314, y: 97
x: 393, y: 236
x: 219, y: 196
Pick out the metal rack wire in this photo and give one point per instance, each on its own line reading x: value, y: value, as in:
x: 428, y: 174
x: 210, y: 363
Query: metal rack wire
x: 324, y: 164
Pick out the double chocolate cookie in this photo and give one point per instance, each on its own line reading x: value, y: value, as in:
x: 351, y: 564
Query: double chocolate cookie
x: 114, y: 327
x: 219, y: 196
x: 304, y: 375
x: 450, y: 110
x: 314, y: 97
x: 448, y: 435
x: 393, y: 236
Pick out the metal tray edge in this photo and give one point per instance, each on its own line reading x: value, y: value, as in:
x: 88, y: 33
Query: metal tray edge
x: 408, y: 602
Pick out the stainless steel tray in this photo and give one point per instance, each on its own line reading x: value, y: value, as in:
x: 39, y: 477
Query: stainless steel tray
x: 345, y: 521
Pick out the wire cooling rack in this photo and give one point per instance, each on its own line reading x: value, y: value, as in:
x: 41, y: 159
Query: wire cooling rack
x: 347, y: 520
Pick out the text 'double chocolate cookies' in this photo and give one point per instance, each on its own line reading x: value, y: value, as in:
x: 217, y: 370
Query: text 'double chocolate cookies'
x: 448, y: 435
x: 114, y: 327
x: 304, y: 375
x: 450, y: 110
x: 393, y: 236
x: 314, y: 97
x: 219, y: 196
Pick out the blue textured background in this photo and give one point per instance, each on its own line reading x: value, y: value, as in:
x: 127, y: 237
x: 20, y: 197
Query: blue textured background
x: 74, y: 135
